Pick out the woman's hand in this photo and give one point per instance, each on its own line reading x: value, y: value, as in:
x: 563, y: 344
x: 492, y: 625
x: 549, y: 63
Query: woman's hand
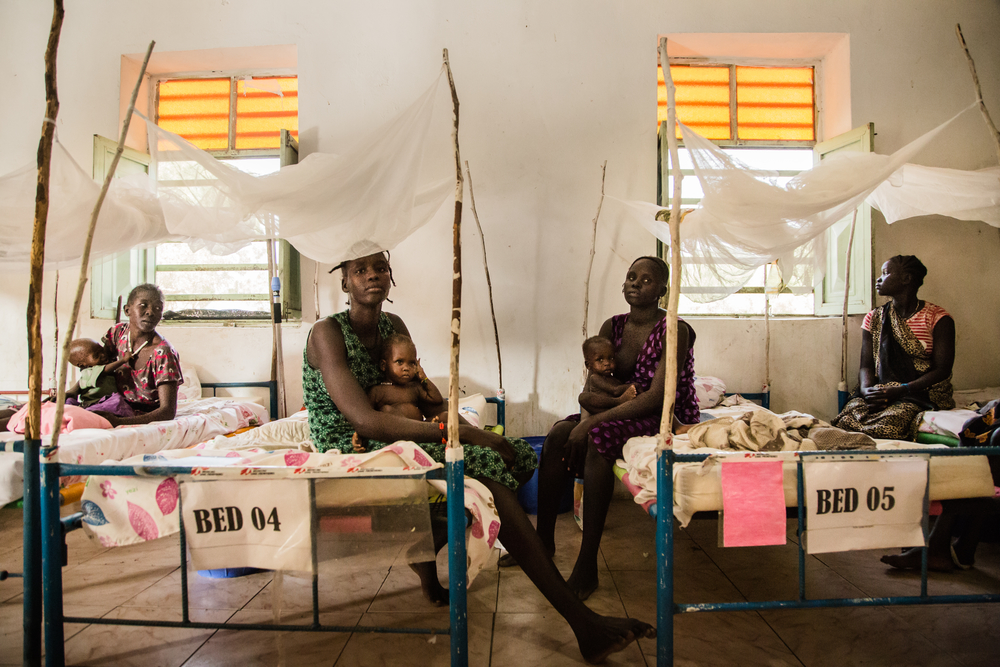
x: 113, y: 419
x: 881, y: 395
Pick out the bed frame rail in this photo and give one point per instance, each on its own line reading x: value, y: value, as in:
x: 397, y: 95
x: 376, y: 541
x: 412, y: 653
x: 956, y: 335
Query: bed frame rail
x: 666, y: 607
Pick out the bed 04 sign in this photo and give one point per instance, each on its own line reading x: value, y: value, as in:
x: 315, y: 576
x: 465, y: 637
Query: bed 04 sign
x: 230, y: 519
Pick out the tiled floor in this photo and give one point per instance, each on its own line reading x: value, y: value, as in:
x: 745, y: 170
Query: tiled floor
x: 510, y: 624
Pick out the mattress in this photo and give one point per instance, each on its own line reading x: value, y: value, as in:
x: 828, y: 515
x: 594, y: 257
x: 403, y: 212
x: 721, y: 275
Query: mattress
x: 196, y: 421
x: 698, y: 487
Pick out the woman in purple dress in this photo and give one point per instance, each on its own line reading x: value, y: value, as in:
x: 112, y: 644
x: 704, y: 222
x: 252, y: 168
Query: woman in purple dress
x: 593, y: 444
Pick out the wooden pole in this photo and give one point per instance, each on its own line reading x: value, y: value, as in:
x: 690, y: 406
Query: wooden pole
x: 85, y: 258
x: 673, y: 297
x: 33, y: 429
x: 847, y: 292
x: 489, y: 283
x: 979, y: 92
x: 593, y: 251
x: 456, y: 282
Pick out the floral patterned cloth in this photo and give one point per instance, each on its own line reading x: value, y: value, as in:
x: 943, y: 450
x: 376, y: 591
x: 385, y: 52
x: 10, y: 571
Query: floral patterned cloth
x: 128, y: 510
x: 609, y: 437
x: 140, y: 387
x: 331, y: 430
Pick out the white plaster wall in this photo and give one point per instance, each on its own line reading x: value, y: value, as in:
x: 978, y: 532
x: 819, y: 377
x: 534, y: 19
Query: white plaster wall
x: 549, y: 91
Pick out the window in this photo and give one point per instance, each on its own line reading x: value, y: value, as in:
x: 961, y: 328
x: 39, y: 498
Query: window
x: 764, y: 116
x: 252, y: 123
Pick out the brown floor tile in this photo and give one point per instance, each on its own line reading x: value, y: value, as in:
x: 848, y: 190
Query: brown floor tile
x: 366, y: 649
x: 268, y: 648
x: 141, y: 646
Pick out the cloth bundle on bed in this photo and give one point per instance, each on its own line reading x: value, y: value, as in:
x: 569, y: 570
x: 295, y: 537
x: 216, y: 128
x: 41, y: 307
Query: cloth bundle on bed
x: 196, y: 421
x: 764, y: 431
x: 129, y: 510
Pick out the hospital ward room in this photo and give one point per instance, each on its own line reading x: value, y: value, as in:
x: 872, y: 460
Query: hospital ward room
x: 524, y: 333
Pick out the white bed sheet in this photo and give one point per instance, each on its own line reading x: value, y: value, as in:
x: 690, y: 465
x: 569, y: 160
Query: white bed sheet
x: 196, y: 421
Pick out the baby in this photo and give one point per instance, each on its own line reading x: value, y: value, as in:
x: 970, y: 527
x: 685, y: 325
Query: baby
x: 97, y: 371
x: 599, y: 358
x: 406, y: 390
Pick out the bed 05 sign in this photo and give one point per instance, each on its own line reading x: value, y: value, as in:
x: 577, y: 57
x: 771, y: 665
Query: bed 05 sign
x: 229, y: 519
x: 864, y: 501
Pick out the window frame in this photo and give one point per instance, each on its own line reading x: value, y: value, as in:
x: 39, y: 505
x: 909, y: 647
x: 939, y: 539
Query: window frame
x: 735, y: 142
x: 287, y: 258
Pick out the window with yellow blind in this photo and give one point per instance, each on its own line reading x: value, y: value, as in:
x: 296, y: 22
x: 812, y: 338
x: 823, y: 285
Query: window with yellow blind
x: 766, y: 117
x: 238, y: 120
x: 742, y: 105
x: 231, y: 116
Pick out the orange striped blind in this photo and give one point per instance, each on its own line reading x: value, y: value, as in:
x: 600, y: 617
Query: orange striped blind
x: 772, y: 103
x: 702, y: 99
x: 196, y: 109
x: 775, y: 103
x: 261, y: 115
x: 199, y: 109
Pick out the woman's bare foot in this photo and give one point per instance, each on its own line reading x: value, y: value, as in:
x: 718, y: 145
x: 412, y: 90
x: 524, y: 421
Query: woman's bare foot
x: 358, y: 444
x: 432, y: 589
x: 609, y: 635
x: 910, y: 560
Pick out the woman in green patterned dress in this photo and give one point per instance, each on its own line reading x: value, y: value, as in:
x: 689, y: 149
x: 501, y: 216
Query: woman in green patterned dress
x: 340, y: 363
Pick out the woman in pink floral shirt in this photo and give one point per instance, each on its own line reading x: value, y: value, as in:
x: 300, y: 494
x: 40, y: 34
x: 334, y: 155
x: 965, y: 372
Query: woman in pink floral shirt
x: 149, y: 381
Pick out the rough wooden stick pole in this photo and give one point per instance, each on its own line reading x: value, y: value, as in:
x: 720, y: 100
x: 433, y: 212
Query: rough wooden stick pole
x: 847, y: 294
x: 593, y: 251
x: 489, y: 283
x: 85, y: 258
x: 673, y: 297
x: 33, y: 430
x: 456, y: 282
x: 979, y: 91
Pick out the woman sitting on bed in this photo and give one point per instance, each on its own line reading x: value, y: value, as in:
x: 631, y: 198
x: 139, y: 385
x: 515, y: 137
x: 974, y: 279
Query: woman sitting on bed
x: 907, y: 351
x: 149, y: 381
x: 341, y: 361
x: 638, y: 338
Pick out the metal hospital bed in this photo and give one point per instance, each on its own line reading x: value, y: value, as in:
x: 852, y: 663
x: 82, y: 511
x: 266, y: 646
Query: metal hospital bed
x: 667, y: 608
x: 45, y: 555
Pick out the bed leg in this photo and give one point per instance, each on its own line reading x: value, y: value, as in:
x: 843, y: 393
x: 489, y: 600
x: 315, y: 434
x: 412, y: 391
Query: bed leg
x: 665, y: 559
x: 457, y: 564
x: 32, y: 649
x: 52, y: 562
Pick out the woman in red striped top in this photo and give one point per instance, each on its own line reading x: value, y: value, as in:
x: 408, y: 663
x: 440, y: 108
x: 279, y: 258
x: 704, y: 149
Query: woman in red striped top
x: 907, y: 353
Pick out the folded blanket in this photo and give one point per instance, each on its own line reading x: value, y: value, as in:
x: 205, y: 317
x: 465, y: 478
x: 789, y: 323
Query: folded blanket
x: 764, y: 431
x: 74, y: 417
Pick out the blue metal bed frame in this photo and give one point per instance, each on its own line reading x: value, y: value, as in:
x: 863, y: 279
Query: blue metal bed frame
x: 45, y: 556
x: 666, y: 607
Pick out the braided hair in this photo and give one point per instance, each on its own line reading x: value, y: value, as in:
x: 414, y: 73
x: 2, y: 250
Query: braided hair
x: 912, y: 267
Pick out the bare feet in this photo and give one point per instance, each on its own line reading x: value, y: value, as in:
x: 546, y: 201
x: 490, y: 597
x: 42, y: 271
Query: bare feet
x: 609, y: 635
x: 358, y: 443
x: 432, y: 589
x: 910, y: 560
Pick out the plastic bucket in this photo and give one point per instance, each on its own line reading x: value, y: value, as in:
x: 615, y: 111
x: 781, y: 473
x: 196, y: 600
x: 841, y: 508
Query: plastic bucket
x: 527, y: 494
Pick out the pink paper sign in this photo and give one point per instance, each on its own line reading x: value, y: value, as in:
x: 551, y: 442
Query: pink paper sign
x: 754, y: 503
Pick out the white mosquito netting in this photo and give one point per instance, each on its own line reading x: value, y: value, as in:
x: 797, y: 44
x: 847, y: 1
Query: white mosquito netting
x: 330, y: 207
x: 747, y: 218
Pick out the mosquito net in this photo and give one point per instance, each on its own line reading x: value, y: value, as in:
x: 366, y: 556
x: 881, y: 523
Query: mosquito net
x: 330, y: 207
